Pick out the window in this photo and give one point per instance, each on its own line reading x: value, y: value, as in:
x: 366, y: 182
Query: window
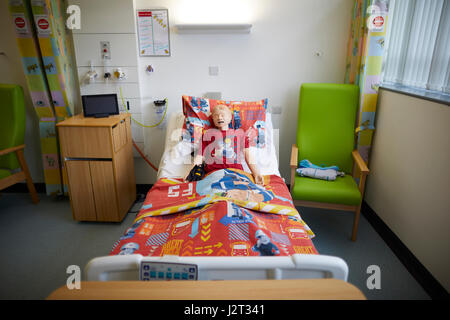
x: 418, y: 44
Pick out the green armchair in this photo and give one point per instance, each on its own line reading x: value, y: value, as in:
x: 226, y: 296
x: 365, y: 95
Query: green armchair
x: 326, y: 136
x: 13, y: 167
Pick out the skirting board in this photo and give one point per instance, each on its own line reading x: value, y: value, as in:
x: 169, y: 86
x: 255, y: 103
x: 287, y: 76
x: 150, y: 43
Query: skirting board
x: 411, y: 263
x: 428, y: 282
x: 40, y: 188
x: 22, y: 187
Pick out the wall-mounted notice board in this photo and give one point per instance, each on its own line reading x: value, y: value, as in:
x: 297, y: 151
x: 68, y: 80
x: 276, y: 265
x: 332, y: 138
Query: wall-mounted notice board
x: 153, y: 32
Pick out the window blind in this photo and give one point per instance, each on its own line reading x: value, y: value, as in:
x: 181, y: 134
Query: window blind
x: 418, y: 44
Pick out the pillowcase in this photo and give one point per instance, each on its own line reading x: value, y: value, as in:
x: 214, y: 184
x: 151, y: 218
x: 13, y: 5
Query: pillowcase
x: 248, y: 116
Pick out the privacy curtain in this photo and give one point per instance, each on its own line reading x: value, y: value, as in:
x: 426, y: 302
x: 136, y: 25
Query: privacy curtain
x: 47, y: 58
x: 364, y: 63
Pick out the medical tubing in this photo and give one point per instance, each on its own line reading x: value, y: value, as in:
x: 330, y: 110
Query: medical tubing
x: 134, y: 143
x: 143, y: 156
x: 143, y: 125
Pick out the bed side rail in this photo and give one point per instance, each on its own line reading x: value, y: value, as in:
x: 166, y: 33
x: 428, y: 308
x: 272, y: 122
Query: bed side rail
x: 297, y: 266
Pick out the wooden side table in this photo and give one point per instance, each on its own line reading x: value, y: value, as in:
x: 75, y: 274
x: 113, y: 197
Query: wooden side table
x: 295, y: 289
x: 99, y: 164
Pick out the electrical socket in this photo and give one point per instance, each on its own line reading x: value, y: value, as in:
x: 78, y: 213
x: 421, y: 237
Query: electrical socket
x: 276, y: 110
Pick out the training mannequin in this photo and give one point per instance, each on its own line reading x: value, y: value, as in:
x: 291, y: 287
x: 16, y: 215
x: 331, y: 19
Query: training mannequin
x: 220, y: 148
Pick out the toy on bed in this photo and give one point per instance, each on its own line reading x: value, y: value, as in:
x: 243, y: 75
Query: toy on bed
x: 213, y: 221
x: 196, y: 173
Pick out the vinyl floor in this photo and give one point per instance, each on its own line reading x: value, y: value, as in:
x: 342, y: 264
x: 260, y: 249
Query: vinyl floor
x: 39, y: 242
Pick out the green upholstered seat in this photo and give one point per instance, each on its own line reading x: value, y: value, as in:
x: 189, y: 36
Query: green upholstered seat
x: 4, y: 173
x: 12, y: 123
x: 12, y: 139
x: 341, y: 191
x: 326, y: 136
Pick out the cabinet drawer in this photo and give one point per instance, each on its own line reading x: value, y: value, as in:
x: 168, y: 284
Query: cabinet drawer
x: 92, y: 190
x: 104, y: 187
x: 86, y: 142
x: 80, y: 190
x: 120, y: 135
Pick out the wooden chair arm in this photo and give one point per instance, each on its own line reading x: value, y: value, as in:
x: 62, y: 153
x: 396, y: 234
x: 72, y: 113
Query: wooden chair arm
x: 293, y: 164
x: 363, y: 169
x: 12, y: 149
x: 294, y: 156
x: 360, y: 162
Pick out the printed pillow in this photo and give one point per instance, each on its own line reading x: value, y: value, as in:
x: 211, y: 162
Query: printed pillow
x: 248, y: 116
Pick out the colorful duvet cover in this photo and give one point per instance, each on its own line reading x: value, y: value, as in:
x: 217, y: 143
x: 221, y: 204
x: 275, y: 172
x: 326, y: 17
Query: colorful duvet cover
x: 224, y: 214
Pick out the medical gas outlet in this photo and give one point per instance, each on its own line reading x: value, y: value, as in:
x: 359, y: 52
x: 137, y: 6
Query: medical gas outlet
x: 105, y: 50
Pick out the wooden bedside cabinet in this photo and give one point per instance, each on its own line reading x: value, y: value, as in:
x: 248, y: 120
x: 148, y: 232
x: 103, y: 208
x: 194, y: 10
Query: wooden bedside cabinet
x: 99, y: 163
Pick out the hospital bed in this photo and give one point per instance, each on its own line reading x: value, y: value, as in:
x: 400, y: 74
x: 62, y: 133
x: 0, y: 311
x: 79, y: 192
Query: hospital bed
x: 175, y: 163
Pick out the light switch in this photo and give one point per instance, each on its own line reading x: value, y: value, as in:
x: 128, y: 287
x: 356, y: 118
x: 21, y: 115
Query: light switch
x: 213, y: 70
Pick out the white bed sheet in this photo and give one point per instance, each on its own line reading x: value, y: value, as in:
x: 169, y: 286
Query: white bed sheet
x: 176, y: 159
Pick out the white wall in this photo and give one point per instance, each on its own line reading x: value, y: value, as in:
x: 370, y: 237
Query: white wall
x: 11, y: 71
x: 113, y: 21
x: 270, y: 62
x: 409, y: 183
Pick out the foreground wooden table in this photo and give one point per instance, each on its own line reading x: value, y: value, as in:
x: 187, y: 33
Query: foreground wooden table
x: 308, y: 289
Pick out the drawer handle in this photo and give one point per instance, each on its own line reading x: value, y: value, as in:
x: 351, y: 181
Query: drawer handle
x: 87, y: 159
x: 121, y: 121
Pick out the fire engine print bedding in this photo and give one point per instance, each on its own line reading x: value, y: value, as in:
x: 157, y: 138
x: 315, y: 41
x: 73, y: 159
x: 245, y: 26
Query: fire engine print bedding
x: 224, y: 214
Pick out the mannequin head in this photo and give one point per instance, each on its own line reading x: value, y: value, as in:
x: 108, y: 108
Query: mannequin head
x: 221, y: 116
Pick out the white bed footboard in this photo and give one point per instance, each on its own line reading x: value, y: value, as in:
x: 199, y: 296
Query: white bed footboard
x: 297, y: 266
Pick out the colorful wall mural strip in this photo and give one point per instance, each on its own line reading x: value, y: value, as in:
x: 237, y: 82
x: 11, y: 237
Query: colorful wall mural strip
x: 47, y: 57
x: 364, y: 63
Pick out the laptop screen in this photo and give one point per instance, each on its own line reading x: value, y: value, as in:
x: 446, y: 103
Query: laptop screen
x: 100, y: 104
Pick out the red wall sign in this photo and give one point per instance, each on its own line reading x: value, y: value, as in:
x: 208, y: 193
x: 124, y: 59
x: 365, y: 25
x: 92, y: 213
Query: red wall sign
x: 378, y: 21
x: 145, y: 14
x: 20, y: 22
x: 43, y: 23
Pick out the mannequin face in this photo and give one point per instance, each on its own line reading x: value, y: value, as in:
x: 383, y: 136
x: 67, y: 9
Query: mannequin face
x: 221, y: 116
